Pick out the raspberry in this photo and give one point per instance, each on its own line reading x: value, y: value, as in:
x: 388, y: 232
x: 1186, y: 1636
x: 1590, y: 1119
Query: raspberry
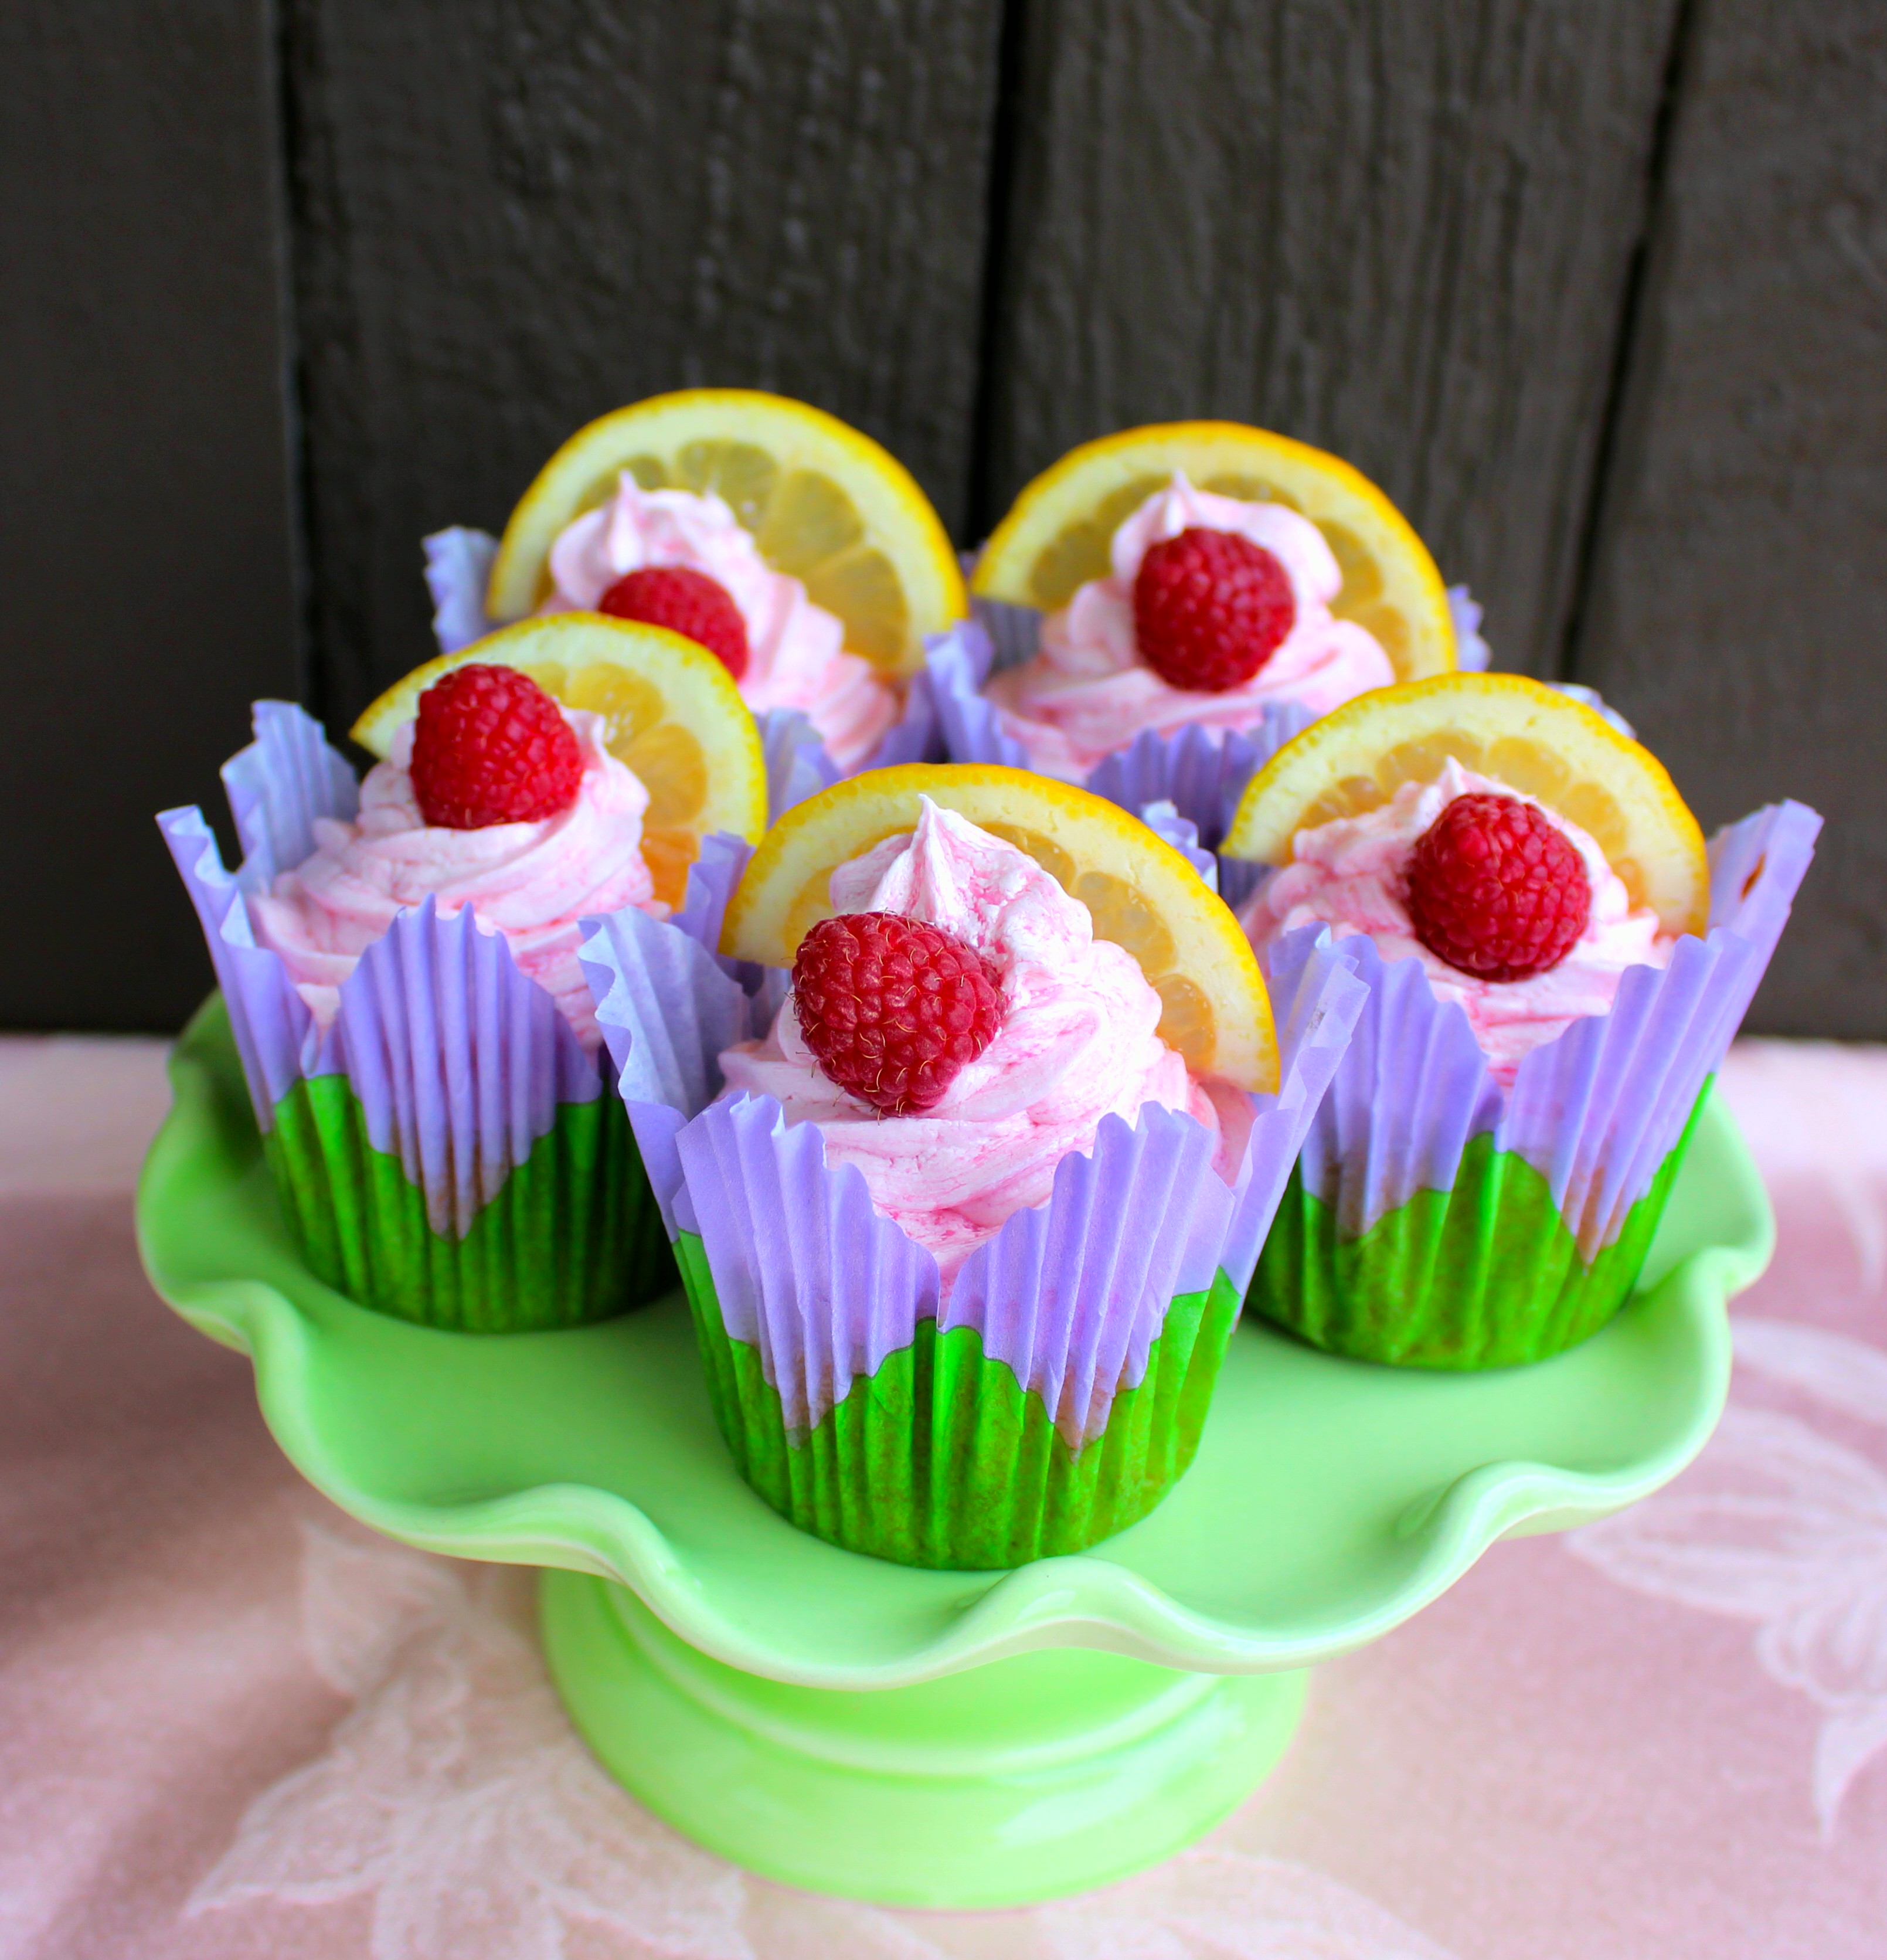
x: 1495, y: 890
x: 491, y: 747
x: 1209, y: 609
x: 892, y: 1008
x: 686, y: 602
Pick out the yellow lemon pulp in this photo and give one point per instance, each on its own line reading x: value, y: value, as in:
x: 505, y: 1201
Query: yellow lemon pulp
x: 1056, y: 535
x: 825, y: 503
x: 1522, y: 733
x: 1140, y: 892
x: 672, y: 713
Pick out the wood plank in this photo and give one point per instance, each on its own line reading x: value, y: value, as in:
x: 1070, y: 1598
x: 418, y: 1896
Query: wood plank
x: 1738, y: 610
x: 1400, y: 229
x: 145, y: 554
x: 514, y: 218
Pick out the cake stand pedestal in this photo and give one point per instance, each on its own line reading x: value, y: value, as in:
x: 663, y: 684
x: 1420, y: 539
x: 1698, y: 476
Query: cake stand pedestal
x: 934, y: 1739
x: 1022, y: 1779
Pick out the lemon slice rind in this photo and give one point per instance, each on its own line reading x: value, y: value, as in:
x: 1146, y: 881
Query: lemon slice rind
x: 1140, y: 891
x: 1043, y: 547
x: 898, y: 526
x: 1518, y: 731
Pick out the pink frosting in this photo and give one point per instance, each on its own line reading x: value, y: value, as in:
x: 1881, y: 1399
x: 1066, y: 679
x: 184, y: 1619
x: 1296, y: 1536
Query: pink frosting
x: 1087, y: 693
x: 532, y: 882
x: 796, y: 653
x: 1079, y: 1039
x: 1350, y: 875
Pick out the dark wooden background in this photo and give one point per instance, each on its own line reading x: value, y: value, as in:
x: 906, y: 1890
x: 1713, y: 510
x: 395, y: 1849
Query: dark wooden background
x: 1597, y: 288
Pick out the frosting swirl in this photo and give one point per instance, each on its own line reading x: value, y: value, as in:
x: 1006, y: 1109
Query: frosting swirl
x: 532, y: 882
x: 796, y: 650
x: 1349, y: 875
x: 1087, y: 693
x: 1079, y: 1039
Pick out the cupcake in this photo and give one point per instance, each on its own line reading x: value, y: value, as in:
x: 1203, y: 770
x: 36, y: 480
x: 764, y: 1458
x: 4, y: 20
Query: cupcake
x: 1555, y: 967
x: 399, y: 959
x: 965, y: 1218
x: 1167, y: 605
x: 794, y: 549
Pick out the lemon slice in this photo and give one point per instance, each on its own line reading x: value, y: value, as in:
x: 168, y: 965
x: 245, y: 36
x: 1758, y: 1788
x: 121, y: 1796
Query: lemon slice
x: 825, y: 503
x: 1140, y: 892
x: 1057, y: 534
x: 674, y: 715
x: 1524, y: 734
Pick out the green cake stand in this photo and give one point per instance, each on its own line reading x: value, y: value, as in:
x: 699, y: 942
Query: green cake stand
x: 934, y: 1739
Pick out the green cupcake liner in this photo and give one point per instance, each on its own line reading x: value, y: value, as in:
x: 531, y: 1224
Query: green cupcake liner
x: 944, y: 1458
x: 1487, y: 1275
x: 573, y: 1236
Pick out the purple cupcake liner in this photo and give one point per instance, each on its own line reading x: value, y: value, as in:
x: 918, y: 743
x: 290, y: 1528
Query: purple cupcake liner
x: 668, y: 1007
x: 273, y: 1027
x: 958, y: 663
x: 1595, y: 1110
x: 1201, y: 773
x: 459, y: 1061
x: 458, y: 573
x: 1015, y: 632
x: 287, y: 778
x: 914, y: 736
x: 1164, y: 820
x: 1472, y: 654
x: 1069, y: 1296
x: 798, y: 765
x: 711, y: 879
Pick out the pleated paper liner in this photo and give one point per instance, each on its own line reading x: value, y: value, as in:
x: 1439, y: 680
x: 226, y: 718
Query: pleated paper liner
x: 1436, y: 1220
x: 1053, y: 1394
x: 942, y: 1457
x: 571, y: 1236
x: 447, y: 1152
x: 1483, y: 1275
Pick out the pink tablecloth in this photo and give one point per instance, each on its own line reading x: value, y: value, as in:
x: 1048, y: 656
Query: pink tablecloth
x: 232, y: 1723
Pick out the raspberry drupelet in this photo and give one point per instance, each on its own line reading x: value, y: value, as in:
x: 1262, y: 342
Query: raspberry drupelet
x: 892, y: 1008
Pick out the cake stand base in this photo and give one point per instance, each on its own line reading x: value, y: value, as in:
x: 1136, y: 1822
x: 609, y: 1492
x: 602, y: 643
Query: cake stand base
x: 1016, y: 1781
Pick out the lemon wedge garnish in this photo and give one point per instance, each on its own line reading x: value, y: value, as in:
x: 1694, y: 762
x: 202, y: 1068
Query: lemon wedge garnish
x: 672, y: 713
x: 1057, y: 534
x: 1140, y: 893
x: 1518, y: 731
x: 825, y: 503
